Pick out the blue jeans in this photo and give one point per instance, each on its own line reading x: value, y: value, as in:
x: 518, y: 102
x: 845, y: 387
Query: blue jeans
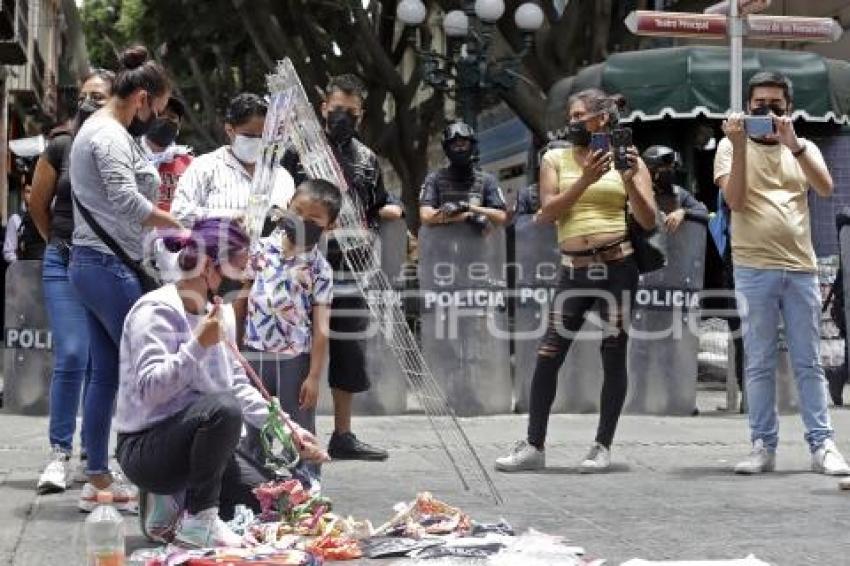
x: 69, y: 328
x: 108, y: 289
x: 769, y: 293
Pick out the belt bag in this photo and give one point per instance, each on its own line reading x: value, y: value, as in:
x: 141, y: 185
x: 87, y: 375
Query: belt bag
x: 147, y: 281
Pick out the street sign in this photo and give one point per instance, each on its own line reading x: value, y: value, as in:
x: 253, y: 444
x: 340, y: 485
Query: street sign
x: 791, y: 28
x: 744, y: 7
x: 677, y: 24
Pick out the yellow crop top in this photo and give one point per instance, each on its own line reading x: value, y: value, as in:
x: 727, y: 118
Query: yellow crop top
x: 602, y: 207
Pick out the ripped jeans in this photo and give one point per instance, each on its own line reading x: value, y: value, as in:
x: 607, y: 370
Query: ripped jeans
x: 610, y: 287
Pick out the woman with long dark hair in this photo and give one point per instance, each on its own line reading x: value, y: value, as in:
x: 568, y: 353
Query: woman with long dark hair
x: 114, y: 188
x: 587, y: 198
x: 52, y: 211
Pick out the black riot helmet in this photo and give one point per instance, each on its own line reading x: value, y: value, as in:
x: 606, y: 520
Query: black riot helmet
x: 459, y: 130
x: 659, y: 156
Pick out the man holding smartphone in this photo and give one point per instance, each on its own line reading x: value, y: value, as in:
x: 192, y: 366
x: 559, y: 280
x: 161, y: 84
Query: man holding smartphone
x: 765, y: 174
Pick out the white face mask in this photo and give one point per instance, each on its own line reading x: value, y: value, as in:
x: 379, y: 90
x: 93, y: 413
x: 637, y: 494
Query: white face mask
x: 246, y: 149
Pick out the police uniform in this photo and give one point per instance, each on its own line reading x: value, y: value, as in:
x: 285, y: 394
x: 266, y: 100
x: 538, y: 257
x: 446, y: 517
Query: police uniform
x: 448, y: 185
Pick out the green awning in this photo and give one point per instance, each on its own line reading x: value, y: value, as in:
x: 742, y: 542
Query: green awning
x: 687, y: 82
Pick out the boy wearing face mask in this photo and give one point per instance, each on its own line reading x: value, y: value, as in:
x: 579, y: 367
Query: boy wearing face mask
x: 218, y: 184
x: 289, y: 304
x: 765, y: 182
x: 674, y: 201
x: 461, y: 192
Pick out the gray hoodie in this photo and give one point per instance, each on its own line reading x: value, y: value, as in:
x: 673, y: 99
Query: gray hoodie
x: 163, y: 368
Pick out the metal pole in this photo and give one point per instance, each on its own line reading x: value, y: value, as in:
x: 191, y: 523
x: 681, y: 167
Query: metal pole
x: 736, y: 58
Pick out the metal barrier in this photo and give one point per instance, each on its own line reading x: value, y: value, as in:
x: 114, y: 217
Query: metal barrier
x: 464, y: 319
x: 388, y: 394
x: 27, y: 359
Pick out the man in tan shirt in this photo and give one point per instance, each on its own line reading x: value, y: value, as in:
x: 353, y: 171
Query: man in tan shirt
x: 765, y: 180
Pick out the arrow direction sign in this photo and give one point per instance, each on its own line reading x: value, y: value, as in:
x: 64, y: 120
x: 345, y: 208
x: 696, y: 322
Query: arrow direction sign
x: 791, y: 28
x: 744, y: 7
x: 677, y: 24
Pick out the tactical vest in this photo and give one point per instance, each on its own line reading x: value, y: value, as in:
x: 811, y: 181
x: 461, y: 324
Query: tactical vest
x: 450, y: 189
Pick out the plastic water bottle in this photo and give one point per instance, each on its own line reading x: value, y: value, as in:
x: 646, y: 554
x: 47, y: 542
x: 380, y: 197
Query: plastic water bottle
x: 104, y: 534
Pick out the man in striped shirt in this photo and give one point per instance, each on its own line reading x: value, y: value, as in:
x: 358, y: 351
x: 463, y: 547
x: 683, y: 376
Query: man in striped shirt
x: 218, y: 184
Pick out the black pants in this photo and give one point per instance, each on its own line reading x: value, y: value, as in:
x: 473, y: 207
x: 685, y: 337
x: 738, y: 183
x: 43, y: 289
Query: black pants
x: 580, y: 290
x: 195, y: 451
x: 347, y: 351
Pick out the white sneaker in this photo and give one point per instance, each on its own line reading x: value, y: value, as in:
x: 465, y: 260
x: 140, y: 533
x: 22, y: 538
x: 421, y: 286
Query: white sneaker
x: 760, y: 460
x: 523, y: 457
x: 125, y: 496
x: 844, y: 483
x: 55, y: 477
x: 828, y: 460
x: 159, y: 515
x: 79, y: 474
x: 206, y: 530
x: 598, y: 459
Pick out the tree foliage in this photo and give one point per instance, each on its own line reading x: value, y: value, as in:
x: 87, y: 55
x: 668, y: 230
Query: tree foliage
x: 217, y: 48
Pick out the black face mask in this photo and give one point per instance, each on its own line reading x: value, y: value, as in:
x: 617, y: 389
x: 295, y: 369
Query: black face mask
x: 139, y: 127
x: 665, y: 179
x: 85, y: 111
x: 578, y: 134
x: 163, y: 132
x: 341, y: 125
x: 765, y: 110
x: 228, y: 289
x: 304, y: 234
x: 460, y: 158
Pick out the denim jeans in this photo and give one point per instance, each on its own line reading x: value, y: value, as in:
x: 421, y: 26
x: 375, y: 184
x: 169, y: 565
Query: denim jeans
x: 108, y: 289
x: 610, y: 287
x: 69, y: 328
x: 767, y: 294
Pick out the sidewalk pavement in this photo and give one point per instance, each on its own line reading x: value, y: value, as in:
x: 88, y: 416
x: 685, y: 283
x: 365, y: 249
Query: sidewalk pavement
x: 670, y: 496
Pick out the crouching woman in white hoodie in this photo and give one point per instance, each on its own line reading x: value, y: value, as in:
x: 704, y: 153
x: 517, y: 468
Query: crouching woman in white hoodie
x: 184, y: 396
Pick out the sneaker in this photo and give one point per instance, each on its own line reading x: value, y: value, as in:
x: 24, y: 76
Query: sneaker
x: 844, y: 483
x: 159, y: 515
x: 55, y: 477
x: 523, y: 457
x: 125, y: 496
x: 79, y: 475
x: 346, y: 446
x: 598, y: 459
x: 828, y: 460
x: 206, y: 530
x: 760, y: 460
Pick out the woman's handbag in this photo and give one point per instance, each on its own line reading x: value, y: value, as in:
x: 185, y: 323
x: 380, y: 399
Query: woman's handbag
x: 650, y: 245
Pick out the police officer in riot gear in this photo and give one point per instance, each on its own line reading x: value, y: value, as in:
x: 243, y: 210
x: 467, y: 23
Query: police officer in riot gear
x: 461, y: 192
x: 676, y: 203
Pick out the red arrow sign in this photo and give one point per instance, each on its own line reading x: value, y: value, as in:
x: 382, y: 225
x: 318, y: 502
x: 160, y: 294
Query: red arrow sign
x: 744, y: 7
x: 677, y: 24
x: 790, y: 28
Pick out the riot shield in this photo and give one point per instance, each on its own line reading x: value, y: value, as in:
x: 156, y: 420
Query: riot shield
x: 27, y: 359
x: 464, y: 321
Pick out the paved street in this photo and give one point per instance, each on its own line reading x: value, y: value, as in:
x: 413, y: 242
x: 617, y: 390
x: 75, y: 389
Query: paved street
x: 670, y: 496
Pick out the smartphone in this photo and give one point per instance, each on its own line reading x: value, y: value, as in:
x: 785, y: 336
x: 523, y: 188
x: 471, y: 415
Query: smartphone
x: 600, y: 142
x: 759, y: 126
x: 621, y: 139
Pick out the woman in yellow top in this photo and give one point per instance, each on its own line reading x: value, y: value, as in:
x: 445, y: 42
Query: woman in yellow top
x: 587, y: 198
